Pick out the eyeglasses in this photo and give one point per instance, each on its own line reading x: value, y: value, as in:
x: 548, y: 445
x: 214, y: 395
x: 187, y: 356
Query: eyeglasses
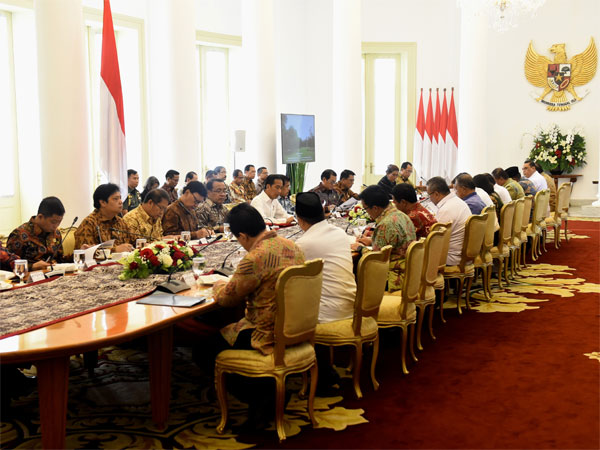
x: 219, y: 191
x: 196, y: 201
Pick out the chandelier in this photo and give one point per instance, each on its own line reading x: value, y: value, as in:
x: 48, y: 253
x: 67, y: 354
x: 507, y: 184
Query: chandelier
x: 502, y: 14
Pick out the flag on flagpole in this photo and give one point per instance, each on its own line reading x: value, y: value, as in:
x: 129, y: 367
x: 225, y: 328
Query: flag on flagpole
x: 113, y: 157
x: 435, y: 143
x: 452, y: 139
x: 427, y: 141
x: 442, y: 138
x: 418, y: 141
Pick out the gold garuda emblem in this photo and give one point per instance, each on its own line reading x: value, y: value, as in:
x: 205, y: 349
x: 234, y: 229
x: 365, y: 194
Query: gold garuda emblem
x: 561, y: 75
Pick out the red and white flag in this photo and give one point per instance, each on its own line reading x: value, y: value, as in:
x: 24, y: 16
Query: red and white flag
x: 442, y: 138
x: 427, y: 141
x: 113, y: 156
x: 451, y: 140
x: 418, y: 141
x: 435, y: 143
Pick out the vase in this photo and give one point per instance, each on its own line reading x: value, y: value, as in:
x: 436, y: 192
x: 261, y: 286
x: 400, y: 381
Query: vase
x: 556, y: 171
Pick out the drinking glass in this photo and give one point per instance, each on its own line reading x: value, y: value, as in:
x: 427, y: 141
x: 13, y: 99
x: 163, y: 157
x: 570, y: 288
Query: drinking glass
x: 20, y: 270
x: 140, y: 243
x: 198, y: 264
x: 79, y: 259
x: 227, y: 231
x: 186, y: 236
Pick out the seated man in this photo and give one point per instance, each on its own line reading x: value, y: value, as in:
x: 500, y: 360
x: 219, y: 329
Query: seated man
x: 39, y: 239
x: 405, y: 199
x: 325, y: 190
x: 465, y: 190
x: 266, y: 202
x: 249, y: 186
x: 527, y: 185
x: 514, y: 189
x: 190, y: 176
x: 236, y: 188
x: 172, y: 180
x: 284, y: 198
x: 145, y: 220
x: 533, y: 175
x: 104, y: 223
x: 134, y: 198
x: 500, y: 190
x: 450, y: 209
x: 181, y: 215
x: 343, y: 187
x: 221, y: 174
x: 253, y: 284
x: 406, y: 170
x: 209, y: 175
x: 551, y: 185
x: 211, y: 213
x: 392, y: 227
x: 263, y: 173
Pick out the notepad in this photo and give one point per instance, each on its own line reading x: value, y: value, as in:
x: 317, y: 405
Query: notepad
x: 165, y: 299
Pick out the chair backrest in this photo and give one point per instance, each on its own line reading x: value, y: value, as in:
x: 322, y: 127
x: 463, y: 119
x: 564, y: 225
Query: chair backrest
x: 490, y: 223
x: 447, y: 228
x: 527, y: 205
x: 545, y: 208
x: 537, y: 209
x: 371, y: 276
x: 506, y: 220
x: 474, y: 235
x: 298, y: 297
x: 413, y: 271
x: 567, y: 199
x: 562, y: 198
x: 434, y: 244
x: 68, y: 244
x: 517, y: 218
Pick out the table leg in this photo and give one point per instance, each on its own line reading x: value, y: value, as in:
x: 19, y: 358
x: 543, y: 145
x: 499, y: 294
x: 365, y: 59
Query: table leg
x: 53, y: 383
x: 160, y: 347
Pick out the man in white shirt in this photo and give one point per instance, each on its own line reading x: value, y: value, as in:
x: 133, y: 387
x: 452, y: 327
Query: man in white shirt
x: 450, y: 209
x: 533, y: 175
x: 502, y: 192
x: 267, y: 204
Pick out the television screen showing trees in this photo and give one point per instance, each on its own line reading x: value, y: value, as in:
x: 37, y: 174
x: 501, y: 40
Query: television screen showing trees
x: 297, y: 138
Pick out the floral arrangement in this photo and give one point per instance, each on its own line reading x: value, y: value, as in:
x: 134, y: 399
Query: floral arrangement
x: 358, y: 213
x: 556, y: 151
x: 158, y: 257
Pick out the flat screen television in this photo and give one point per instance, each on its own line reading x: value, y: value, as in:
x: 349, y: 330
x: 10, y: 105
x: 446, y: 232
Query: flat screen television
x: 297, y: 138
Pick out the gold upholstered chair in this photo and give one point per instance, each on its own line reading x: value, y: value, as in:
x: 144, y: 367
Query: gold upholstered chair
x: 533, y: 229
x: 484, y: 260
x: 564, y: 213
x: 555, y: 218
x: 527, y: 206
x: 543, y: 225
x: 371, y: 275
x: 440, y: 283
x: 501, y: 252
x: 398, y: 308
x: 298, y: 297
x: 465, y: 270
x: 434, y: 243
x: 515, y: 240
x: 68, y: 244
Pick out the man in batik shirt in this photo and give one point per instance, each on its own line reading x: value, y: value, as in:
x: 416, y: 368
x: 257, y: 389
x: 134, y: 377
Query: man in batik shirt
x: 172, y: 180
x: 145, y: 220
x: 502, y: 178
x: 392, y: 227
x: 181, y: 215
x: 527, y: 185
x: 406, y: 170
x: 39, y: 239
x: 343, y: 187
x: 329, y: 197
x: 236, y: 188
x: 405, y: 200
x: 248, y: 183
x: 211, y: 213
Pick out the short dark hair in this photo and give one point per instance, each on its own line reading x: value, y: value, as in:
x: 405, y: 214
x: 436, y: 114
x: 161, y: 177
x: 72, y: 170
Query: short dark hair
x: 190, y: 175
x: 237, y: 172
x: 490, y: 178
x: 374, y: 196
x: 513, y: 172
x: 260, y: 169
x: 131, y: 172
x: 156, y: 195
x: 51, y: 206
x: 248, y: 167
x: 466, y: 181
x: 530, y: 162
x: 538, y: 167
x: 438, y: 184
x: 195, y: 187
x: 481, y: 181
x: 391, y: 168
x: 104, y: 192
x: 285, y: 179
x: 347, y: 173
x: 404, y: 191
x: 244, y: 218
x: 327, y: 174
x: 210, y: 184
x: 272, y: 178
x: 209, y: 173
x: 171, y: 174
x: 500, y: 174
x: 405, y: 164
x: 218, y: 169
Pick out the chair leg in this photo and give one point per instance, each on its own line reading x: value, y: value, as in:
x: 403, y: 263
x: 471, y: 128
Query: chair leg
x: 486, y: 283
x: 524, y: 253
x: 557, y: 237
x: 356, y: 370
x: 279, y: 405
x: 533, y: 247
x: 304, y: 390
x: 566, y: 224
x: 419, y: 325
x: 468, y: 293
x: 500, y: 264
x: 404, y: 339
x: 431, y: 307
x: 442, y: 295
x: 374, y: 362
x: 222, y: 397
x: 411, y: 343
x: 489, y: 281
x: 314, y: 376
x: 544, y: 236
x: 505, y: 271
x: 461, y: 282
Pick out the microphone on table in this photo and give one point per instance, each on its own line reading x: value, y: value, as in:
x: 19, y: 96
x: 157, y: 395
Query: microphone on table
x: 216, y: 239
x: 100, y: 239
x: 149, y: 238
x: 295, y: 233
x: 226, y: 271
x: 351, y: 222
x: 172, y: 286
x: 62, y: 239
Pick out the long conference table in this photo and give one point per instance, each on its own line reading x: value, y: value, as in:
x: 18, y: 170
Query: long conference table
x: 51, y: 347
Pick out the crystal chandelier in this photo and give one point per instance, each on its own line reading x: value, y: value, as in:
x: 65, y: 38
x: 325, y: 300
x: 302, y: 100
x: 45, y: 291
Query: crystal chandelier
x: 502, y: 14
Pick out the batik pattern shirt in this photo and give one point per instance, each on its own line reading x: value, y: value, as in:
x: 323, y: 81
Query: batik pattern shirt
x: 7, y: 259
x: 133, y: 200
x: 287, y: 204
x: 498, y: 204
x: 327, y: 196
x: 422, y: 219
x: 514, y: 189
x: 171, y: 191
x: 237, y: 193
x: 528, y: 186
x: 249, y: 189
x: 87, y: 233
x: 178, y: 218
x: 31, y: 243
x: 552, y: 187
x: 211, y: 214
x: 394, y: 228
x: 401, y: 180
x: 140, y: 223
x: 254, y: 282
x: 344, y: 194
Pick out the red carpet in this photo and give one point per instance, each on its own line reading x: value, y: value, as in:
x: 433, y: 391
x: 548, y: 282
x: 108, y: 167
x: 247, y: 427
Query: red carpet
x: 500, y: 380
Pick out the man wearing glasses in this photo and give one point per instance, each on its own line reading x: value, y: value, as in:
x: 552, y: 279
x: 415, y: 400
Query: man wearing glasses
x: 211, y: 214
x: 145, y: 221
x: 181, y: 215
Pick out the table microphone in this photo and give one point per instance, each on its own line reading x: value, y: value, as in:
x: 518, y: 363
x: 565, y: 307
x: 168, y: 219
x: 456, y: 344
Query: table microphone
x: 295, y: 233
x: 149, y: 238
x: 53, y: 255
x: 172, y: 286
x: 226, y: 271
x: 351, y: 222
x: 217, y: 238
x: 100, y: 239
